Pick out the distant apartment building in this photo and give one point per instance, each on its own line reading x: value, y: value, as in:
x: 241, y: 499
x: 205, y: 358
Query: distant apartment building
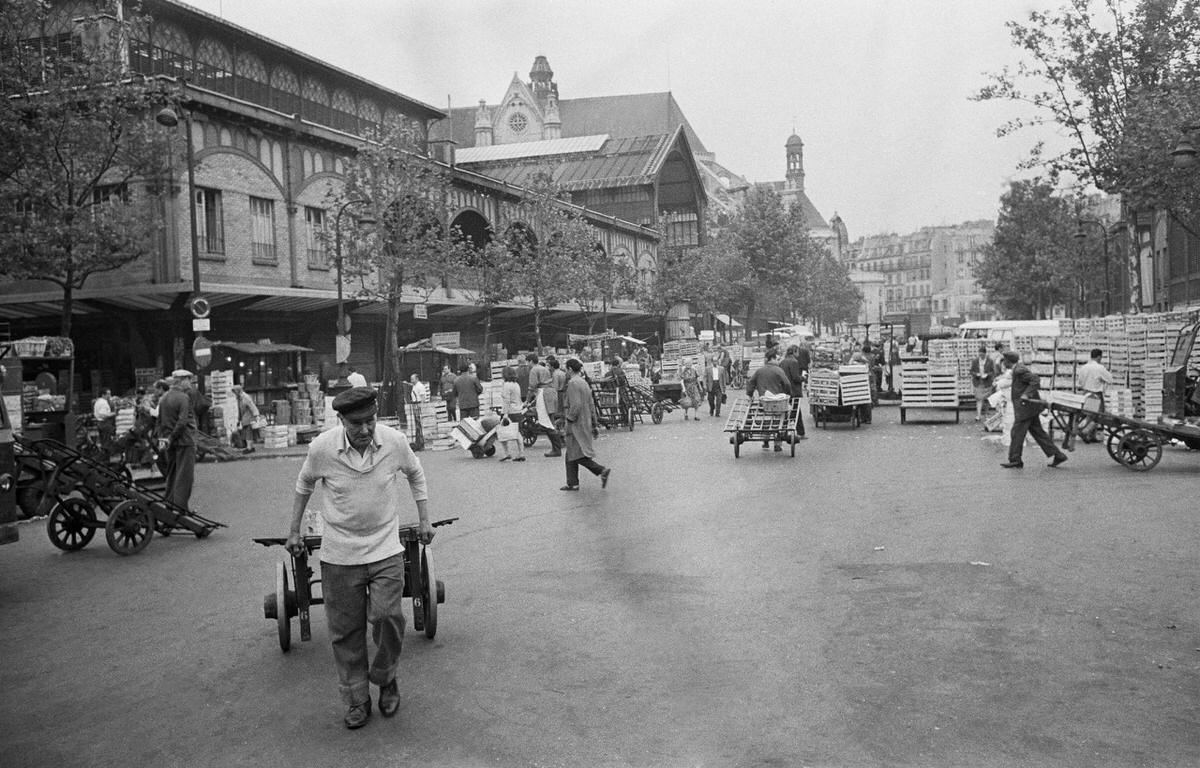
x: 927, y: 276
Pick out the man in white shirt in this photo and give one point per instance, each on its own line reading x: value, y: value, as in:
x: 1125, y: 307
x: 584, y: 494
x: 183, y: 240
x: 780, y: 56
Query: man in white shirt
x: 106, y: 420
x: 362, y: 557
x: 1091, y: 379
x: 355, y: 378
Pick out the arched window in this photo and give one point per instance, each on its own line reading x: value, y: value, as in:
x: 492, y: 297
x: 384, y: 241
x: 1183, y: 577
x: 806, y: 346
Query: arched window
x: 250, y: 80
x: 369, y: 116
x: 170, y: 52
x: 214, y: 66
x: 315, y: 104
x: 285, y: 91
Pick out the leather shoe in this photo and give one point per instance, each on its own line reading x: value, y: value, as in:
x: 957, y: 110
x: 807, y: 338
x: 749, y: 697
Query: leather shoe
x: 389, y: 698
x: 1059, y: 459
x: 1013, y: 464
x: 569, y: 488
x: 358, y: 715
x: 552, y: 454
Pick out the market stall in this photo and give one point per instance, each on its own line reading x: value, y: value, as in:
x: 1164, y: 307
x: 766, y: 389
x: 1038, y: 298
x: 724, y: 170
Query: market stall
x: 39, y: 388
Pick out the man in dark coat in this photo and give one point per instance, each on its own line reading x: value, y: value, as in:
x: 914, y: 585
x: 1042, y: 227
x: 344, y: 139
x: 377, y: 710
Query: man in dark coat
x: 175, y: 430
x: 467, y: 390
x: 1026, y: 414
x: 792, y: 366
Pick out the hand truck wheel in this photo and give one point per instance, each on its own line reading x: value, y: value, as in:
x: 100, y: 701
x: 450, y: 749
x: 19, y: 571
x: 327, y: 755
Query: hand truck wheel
x: 656, y: 413
x: 129, y: 528
x: 425, y: 597
x: 72, y: 524
x: 283, y: 617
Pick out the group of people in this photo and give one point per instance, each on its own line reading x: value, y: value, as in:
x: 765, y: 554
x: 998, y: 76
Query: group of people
x: 1001, y: 379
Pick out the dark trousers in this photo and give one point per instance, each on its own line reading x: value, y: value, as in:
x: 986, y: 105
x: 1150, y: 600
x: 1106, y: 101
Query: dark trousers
x: 1033, y: 426
x: 355, y: 596
x: 554, y: 436
x: 465, y: 412
x: 587, y: 462
x: 714, y: 401
x: 180, y: 474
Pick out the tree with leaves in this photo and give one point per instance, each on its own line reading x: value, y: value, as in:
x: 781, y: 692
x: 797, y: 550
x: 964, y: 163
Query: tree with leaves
x: 1022, y: 268
x: 1119, y: 79
x: 78, y: 143
x: 830, y: 296
x: 484, y: 281
x: 602, y: 280
x: 549, y: 246
x: 401, y: 250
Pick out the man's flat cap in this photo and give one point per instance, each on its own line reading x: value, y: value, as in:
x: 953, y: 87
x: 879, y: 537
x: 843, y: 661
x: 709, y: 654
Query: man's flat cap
x: 354, y: 400
x: 1012, y: 357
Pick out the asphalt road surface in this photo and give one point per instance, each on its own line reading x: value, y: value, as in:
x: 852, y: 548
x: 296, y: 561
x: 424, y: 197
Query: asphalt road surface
x: 887, y: 597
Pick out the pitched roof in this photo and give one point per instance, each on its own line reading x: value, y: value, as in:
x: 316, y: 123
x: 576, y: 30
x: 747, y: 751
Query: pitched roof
x: 543, y: 148
x: 812, y: 217
x: 618, y: 163
x: 628, y: 115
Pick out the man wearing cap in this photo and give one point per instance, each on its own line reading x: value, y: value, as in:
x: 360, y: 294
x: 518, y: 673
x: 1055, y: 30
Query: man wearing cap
x: 362, y: 557
x: 1027, y: 415
x: 175, y: 431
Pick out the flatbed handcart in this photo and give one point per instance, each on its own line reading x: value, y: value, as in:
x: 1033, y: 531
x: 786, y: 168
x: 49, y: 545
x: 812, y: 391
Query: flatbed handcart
x: 839, y: 395
x: 754, y: 419
x: 653, y: 402
x: 78, y: 489
x: 293, y: 595
x: 613, y: 410
x: 1133, y: 443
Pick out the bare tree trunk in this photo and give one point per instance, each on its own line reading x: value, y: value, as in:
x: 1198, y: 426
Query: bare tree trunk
x: 537, y: 325
x: 68, y: 303
x: 391, y: 365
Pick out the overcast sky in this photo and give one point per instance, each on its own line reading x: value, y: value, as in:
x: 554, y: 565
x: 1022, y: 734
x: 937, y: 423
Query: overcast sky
x: 878, y: 90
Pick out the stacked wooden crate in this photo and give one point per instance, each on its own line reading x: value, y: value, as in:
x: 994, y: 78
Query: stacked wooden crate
x: 855, y: 384
x: 928, y: 385
x: 824, y: 386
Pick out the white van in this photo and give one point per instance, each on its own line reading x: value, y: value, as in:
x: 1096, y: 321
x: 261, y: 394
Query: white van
x: 1007, y: 330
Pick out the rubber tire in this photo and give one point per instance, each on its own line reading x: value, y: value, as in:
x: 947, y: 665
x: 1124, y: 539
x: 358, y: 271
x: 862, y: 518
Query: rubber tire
x: 71, y: 524
x: 130, y: 528
x: 656, y: 414
x: 1140, y: 450
x: 629, y: 418
x: 428, y: 594
x: 283, y: 621
x: 737, y: 445
x: 793, y: 440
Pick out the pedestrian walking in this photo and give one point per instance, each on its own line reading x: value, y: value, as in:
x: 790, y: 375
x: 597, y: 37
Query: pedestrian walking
x: 983, y: 376
x: 509, y: 433
x: 176, y: 438
x: 247, y: 415
x: 716, y: 379
x: 362, y: 557
x: 446, y: 382
x: 692, y: 393
x: 544, y: 398
x: 1027, y: 416
x: 581, y: 451
x: 467, y: 390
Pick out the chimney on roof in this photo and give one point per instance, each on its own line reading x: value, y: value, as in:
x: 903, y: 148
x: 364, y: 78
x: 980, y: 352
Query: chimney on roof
x: 483, y: 125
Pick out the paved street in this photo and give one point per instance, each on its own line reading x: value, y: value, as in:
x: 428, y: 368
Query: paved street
x: 888, y: 597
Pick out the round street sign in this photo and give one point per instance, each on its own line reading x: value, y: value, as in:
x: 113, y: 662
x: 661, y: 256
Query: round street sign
x: 200, y: 307
x: 202, y: 351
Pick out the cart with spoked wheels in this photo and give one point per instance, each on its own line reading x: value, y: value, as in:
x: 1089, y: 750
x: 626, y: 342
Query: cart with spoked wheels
x: 648, y: 401
x: 78, y: 490
x: 1133, y: 443
x: 294, y: 594
x: 752, y: 419
x: 840, y: 394
x: 667, y: 395
x: 613, y: 408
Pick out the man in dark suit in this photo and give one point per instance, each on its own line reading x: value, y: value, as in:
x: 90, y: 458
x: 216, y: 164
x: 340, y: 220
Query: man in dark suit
x: 1026, y: 415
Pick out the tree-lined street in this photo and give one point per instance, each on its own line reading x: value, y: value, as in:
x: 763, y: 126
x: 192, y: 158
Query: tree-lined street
x: 886, y: 597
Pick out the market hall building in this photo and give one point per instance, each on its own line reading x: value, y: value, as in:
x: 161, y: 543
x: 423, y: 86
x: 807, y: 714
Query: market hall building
x: 272, y: 130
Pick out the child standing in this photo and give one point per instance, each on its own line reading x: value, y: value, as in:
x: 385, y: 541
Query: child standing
x: 509, y: 433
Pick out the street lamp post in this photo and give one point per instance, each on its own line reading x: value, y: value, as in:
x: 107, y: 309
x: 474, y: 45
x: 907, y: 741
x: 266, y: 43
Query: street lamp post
x: 1081, y: 235
x: 1184, y: 153
x: 201, y: 348
x: 337, y: 261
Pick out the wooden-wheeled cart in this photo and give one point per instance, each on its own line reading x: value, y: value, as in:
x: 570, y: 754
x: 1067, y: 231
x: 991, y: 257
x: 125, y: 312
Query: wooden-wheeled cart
x: 754, y: 419
x: 293, y: 595
x: 1133, y: 443
x: 76, y: 490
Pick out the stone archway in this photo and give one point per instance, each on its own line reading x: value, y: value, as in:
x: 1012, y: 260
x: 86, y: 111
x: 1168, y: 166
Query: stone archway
x: 474, y: 228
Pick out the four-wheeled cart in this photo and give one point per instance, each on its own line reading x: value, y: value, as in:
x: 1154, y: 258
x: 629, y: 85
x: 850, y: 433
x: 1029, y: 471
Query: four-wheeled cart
x: 839, y: 395
x: 613, y: 408
x: 76, y: 490
x: 756, y: 419
x: 293, y: 595
x: 1135, y: 444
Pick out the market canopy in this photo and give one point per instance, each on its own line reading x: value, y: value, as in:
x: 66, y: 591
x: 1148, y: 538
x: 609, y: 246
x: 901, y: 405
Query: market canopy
x: 727, y: 320
x: 631, y: 339
x: 425, y: 345
x: 260, y: 347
